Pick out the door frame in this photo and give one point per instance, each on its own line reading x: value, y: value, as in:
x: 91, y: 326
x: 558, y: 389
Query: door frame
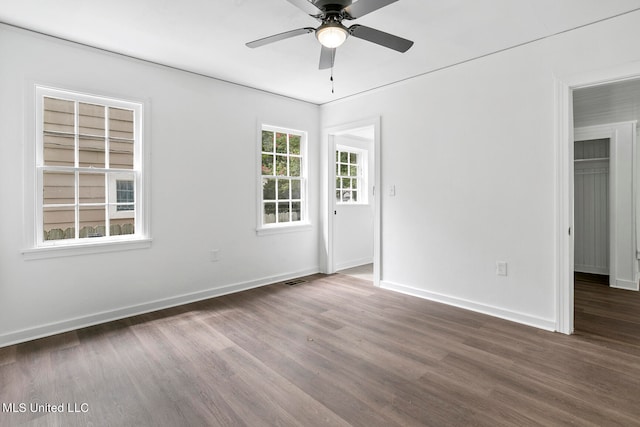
x: 564, y: 140
x: 328, y: 135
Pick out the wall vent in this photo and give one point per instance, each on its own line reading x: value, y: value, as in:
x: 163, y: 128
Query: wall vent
x: 295, y: 282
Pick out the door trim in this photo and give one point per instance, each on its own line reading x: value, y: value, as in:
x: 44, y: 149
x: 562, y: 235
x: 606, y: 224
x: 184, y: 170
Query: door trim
x: 563, y: 136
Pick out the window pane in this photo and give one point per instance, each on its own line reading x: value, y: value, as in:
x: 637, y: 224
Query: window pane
x: 344, y: 157
x: 354, y: 183
x: 120, y: 154
x: 283, y: 212
x: 353, y: 158
x: 296, y: 213
x: 338, y: 193
x: 267, y: 141
x: 283, y: 189
x: 344, y: 170
x: 59, y: 115
x: 128, y: 229
x: 58, y: 223
x: 120, y: 227
x: 281, y: 166
x: 353, y: 170
x: 125, y: 208
x: 59, y: 150
x: 294, y: 144
x: 346, y: 196
x: 338, y: 182
x: 294, y: 166
x: 295, y: 189
x: 268, y: 189
x: 58, y: 188
x: 267, y: 164
x: 91, y: 152
x: 91, y: 188
x: 346, y: 183
x: 281, y: 143
x: 125, y: 193
x: 120, y: 123
x: 92, y: 221
x: 269, y: 214
x: 354, y: 196
x: 91, y: 119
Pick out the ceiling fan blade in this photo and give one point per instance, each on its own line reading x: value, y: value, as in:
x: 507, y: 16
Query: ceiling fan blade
x: 306, y: 7
x: 327, y: 58
x: 281, y: 36
x: 380, y: 37
x: 362, y: 7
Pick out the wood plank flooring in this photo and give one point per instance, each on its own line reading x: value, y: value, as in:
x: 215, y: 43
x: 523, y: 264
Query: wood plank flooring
x: 333, y: 351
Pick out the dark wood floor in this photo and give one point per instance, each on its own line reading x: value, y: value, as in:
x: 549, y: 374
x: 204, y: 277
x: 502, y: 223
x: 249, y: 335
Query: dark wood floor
x: 334, y: 351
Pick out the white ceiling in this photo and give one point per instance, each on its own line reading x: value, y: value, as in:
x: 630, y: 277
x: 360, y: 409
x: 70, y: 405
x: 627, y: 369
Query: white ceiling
x: 209, y: 36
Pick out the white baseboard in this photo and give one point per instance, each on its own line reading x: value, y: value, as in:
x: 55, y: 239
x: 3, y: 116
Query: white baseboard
x: 591, y: 270
x: 353, y: 263
x: 625, y: 284
x: 546, y: 324
x: 54, y: 328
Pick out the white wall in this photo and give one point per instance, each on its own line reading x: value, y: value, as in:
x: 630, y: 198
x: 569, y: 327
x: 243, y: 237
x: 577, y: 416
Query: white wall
x: 203, y: 141
x: 353, y: 224
x: 470, y: 150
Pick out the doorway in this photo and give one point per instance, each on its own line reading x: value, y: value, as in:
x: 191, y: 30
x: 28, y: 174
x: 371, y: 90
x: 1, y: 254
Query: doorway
x: 353, y: 206
x: 591, y: 206
x: 609, y: 122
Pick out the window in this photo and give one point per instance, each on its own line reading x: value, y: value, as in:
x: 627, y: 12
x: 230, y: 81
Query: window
x: 350, y: 182
x: 89, y: 169
x: 283, y: 177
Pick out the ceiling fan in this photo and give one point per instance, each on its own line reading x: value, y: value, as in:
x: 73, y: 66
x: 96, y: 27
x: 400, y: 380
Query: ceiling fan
x: 332, y: 33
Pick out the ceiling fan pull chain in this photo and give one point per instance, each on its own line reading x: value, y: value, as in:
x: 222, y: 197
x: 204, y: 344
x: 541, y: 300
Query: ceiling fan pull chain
x: 331, y: 79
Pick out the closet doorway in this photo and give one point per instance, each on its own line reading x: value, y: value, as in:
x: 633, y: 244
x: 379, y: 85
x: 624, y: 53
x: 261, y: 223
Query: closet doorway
x: 592, y: 211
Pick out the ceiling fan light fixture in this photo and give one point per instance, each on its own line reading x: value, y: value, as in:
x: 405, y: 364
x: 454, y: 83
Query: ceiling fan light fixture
x: 331, y: 35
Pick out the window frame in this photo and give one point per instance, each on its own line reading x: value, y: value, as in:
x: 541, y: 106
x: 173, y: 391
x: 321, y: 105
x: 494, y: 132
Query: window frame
x: 36, y: 246
x: 290, y: 226
x: 362, y: 175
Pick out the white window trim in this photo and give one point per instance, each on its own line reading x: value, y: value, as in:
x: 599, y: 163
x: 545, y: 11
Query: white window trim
x: 34, y: 246
x: 363, y: 175
x: 304, y: 223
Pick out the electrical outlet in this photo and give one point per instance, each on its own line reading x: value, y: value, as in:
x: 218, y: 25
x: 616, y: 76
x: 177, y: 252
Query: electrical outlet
x: 501, y: 268
x: 214, y: 255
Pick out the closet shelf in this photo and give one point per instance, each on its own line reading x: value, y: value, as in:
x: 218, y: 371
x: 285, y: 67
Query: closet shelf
x: 597, y: 159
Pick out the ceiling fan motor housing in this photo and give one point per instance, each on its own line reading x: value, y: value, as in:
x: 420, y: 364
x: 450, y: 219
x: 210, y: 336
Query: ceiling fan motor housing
x: 337, y: 5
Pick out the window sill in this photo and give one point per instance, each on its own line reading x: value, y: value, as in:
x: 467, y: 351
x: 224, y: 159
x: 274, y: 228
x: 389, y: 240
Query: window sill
x: 277, y: 229
x: 84, y: 249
